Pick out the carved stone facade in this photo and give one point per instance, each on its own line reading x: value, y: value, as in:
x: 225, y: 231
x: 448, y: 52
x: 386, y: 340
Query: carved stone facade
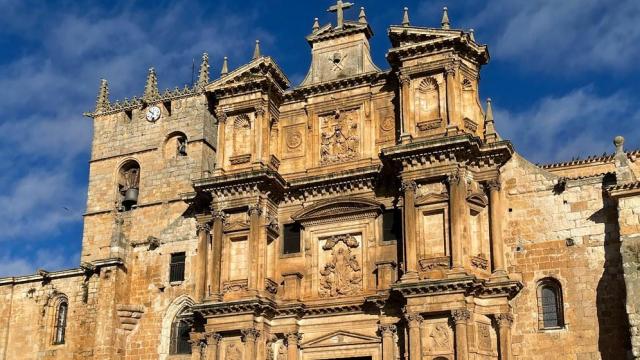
x: 363, y: 214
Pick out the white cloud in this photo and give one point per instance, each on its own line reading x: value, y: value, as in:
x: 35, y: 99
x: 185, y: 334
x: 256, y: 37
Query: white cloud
x: 49, y: 260
x: 580, y: 122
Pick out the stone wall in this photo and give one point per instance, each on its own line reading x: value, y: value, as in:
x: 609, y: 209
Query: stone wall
x: 571, y: 236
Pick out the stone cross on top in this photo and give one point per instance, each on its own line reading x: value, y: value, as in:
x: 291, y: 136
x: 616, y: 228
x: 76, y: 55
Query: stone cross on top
x: 339, y: 8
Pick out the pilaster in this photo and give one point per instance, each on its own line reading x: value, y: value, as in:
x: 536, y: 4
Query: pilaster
x: 495, y: 218
x: 504, y: 322
x: 415, y: 339
x: 250, y: 337
x: 203, y: 231
x: 388, y: 332
x: 293, y: 341
x: 213, y: 342
x: 409, y: 213
x: 459, y: 215
x: 215, y: 264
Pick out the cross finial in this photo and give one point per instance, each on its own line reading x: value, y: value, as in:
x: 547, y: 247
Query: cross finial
x: 339, y: 8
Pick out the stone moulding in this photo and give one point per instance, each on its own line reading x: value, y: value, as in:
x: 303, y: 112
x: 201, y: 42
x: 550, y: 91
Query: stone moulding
x: 440, y: 262
x: 469, y: 285
x: 343, y: 207
x: 429, y: 125
x: 129, y: 316
x: 235, y: 285
x: 240, y: 159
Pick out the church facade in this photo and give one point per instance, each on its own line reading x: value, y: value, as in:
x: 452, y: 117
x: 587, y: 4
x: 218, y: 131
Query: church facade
x: 363, y: 214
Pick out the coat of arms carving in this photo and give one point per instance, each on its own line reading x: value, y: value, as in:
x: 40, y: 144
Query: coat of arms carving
x: 340, y: 140
x: 342, y: 275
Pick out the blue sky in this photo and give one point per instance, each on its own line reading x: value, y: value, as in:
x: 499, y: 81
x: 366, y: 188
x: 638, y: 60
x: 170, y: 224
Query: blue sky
x: 562, y: 78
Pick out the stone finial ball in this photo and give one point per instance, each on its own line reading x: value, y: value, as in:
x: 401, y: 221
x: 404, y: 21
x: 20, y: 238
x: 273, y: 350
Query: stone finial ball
x: 618, y: 141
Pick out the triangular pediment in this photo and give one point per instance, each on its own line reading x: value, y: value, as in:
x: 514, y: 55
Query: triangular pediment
x: 236, y: 226
x: 261, y: 68
x: 340, y: 338
x: 340, y: 207
x: 431, y: 198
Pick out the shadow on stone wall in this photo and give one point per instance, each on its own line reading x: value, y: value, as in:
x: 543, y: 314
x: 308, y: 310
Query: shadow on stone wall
x: 613, y: 333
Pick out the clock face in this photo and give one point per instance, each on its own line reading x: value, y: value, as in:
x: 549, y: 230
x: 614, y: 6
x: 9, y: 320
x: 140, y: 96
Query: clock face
x: 153, y: 113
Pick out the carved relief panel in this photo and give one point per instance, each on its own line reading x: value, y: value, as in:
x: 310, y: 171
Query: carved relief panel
x: 486, y: 337
x: 340, y: 136
x: 386, y: 123
x: 293, y: 141
x: 340, y: 269
x: 238, y: 139
x: 232, y: 351
x: 437, y: 338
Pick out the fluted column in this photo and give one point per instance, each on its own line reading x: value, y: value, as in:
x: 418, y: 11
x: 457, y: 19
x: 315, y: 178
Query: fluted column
x: 254, y: 246
x: 460, y: 319
x: 203, y: 230
x: 410, y: 246
x: 293, y: 341
x: 215, y: 265
x: 504, y: 322
x: 415, y: 342
x: 250, y: 337
x: 495, y: 217
x: 213, y: 341
x: 388, y: 331
x: 221, y: 117
x: 459, y: 216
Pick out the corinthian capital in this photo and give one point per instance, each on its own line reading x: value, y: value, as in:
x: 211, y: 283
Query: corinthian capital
x: 387, y: 329
x: 504, y: 319
x: 259, y: 112
x: 213, y: 338
x: 460, y: 315
x: 221, y: 116
x: 493, y: 185
x: 250, y: 334
x: 292, y: 338
x: 409, y: 185
x: 413, y: 319
x: 404, y: 79
x: 203, y: 227
x: 218, y: 215
x: 254, y: 209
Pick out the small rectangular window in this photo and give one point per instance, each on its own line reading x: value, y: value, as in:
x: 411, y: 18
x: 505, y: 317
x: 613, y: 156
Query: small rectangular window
x: 391, y: 225
x: 176, y: 268
x: 291, y: 239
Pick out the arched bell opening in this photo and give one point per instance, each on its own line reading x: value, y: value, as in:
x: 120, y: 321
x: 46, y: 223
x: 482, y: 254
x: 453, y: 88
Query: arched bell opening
x: 129, y: 184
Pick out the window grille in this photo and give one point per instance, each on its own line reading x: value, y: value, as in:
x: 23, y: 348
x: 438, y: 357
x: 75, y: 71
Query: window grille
x: 61, y: 323
x: 180, y: 338
x: 550, y: 306
x: 176, y: 267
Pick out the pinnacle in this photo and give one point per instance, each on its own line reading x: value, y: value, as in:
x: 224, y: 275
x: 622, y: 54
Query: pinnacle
x: 102, y: 102
x: 445, y: 18
x: 362, y: 17
x: 256, y: 50
x: 316, y: 24
x: 151, y: 87
x: 203, y: 76
x: 225, y: 66
x: 405, y: 17
x: 490, y: 134
x: 489, y: 115
x: 472, y: 35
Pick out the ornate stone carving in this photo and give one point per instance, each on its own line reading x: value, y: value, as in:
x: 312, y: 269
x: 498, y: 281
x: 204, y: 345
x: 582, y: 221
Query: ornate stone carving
x: 455, y: 177
x: 342, y: 275
x: 441, y: 262
x: 282, y: 352
x: 271, y: 286
x: 504, y: 319
x: 484, y: 336
x: 233, y: 352
x: 292, y: 339
x: 460, y: 315
x: 387, y: 119
x: 241, y: 135
x: 240, y: 159
x: 293, y: 138
x: 259, y: 112
x: 221, y: 116
x: 340, y: 140
x: 439, y: 339
x: 429, y: 125
x: 480, y: 261
x: 218, y: 215
x: 254, y: 209
x: 470, y: 124
x: 250, y: 334
x: 235, y: 285
x: 387, y: 329
x: 404, y: 79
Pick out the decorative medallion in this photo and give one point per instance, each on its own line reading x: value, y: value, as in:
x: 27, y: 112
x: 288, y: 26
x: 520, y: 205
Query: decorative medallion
x: 294, y: 139
x: 342, y: 275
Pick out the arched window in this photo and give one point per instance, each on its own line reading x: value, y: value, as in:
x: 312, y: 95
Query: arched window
x: 60, y: 326
x: 180, y: 337
x: 550, y: 306
x: 129, y: 184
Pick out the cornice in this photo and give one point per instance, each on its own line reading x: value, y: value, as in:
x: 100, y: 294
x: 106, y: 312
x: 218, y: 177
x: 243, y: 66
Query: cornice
x: 74, y: 272
x: 468, y: 285
x: 369, y: 78
x: 624, y: 190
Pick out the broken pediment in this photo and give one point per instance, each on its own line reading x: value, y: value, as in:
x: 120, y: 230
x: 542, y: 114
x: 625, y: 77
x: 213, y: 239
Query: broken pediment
x: 431, y: 198
x: 477, y: 201
x: 338, y: 338
x: 331, y: 209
